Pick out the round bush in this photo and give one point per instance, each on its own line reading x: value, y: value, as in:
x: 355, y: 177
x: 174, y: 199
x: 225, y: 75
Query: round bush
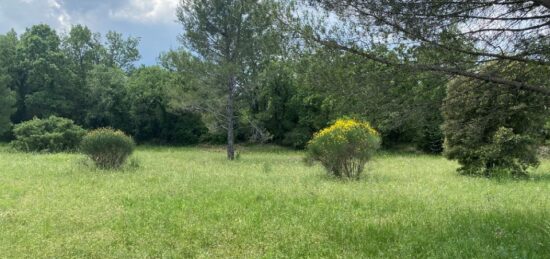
x: 53, y: 134
x: 108, y: 148
x: 344, y: 148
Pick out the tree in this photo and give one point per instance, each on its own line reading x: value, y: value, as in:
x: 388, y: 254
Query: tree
x: 287, y: 107
x: 146, y: 94
x: 107, y: 102
x: 275, y: 109
x: 151, y: 116
x: 45, y: 83
x: 83, y: 48
x: 7, y: 102
x: 236, y: 36
x: 120, y: 52
x: 403, y: 104
x: 493, y: 130
x: 501, y: 31
x: 8, y: 45
x: 194, y: 88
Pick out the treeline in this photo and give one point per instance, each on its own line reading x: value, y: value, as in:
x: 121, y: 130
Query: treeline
x: 92, y: 80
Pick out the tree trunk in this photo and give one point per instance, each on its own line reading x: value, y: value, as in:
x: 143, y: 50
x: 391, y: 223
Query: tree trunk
x: 231, y: 119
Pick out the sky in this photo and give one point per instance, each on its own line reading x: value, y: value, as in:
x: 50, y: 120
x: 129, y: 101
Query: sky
x: 153, y: 21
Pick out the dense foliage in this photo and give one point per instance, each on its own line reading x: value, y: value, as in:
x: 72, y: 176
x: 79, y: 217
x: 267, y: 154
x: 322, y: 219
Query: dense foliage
x: 402, y: 104
x: 344, y: 148
x: 108, y: 148
x: 92, y: 81
x: 7, y: 96
x: 285, y: 109
x: 493, y: 130
x: 184, y: 100
x: 151, y: 117
x: 7, y: 102
x: 53, y: 134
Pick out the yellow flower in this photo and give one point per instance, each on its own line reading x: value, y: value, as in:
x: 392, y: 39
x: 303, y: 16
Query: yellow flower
x: 345, y: 125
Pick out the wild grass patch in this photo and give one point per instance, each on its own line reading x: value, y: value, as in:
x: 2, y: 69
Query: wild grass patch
x: 192, y: 202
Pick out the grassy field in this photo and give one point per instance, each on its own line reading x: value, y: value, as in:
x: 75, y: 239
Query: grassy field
x: 191, y: 202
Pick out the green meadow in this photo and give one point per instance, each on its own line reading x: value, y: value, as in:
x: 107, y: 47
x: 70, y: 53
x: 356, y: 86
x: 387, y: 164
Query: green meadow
x: 194, y: 203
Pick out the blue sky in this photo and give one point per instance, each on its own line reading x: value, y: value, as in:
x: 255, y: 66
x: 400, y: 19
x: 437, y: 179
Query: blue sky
x: 154, y: 21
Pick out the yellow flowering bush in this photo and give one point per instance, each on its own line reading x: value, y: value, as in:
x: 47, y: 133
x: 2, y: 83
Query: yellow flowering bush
x: 344, y: 147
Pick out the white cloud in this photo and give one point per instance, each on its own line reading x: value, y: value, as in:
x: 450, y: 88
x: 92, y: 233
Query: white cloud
x: 21, y: 14
x: 147, y: 11
x: 59, y: 13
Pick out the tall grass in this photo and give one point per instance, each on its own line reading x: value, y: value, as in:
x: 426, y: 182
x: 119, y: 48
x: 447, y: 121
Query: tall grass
x: 192, y: 202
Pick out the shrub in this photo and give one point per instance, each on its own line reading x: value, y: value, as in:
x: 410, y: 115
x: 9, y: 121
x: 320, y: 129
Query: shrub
x: 344, y: 148
x: 53, y: 134
x: 108, y: 148
x: 492, y: 130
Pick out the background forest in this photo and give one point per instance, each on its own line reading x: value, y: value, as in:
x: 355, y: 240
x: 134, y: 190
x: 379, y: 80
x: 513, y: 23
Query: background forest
x: 290, y: 74
x: 93, y: 81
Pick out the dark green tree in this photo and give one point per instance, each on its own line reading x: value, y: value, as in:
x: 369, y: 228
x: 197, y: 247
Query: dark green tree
x: 8, y: 45
x: 236, y: 37
x: 493, y: 130
x: 404, y: 105
x: 83, y: 49
x: 7, y: 102
x: 146, y: 93
x: 285, y: 108
x: 151, y: 116
x: 107, y: 102
x: 274, y: 108
x: 45, y: 82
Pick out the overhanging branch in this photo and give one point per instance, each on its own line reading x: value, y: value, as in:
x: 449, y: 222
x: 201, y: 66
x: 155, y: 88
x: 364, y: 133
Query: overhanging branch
x: 435, y: 68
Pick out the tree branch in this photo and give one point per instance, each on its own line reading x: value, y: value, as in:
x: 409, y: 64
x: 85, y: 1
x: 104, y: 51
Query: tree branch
x: 469, y: 52
x: 427, y: 67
